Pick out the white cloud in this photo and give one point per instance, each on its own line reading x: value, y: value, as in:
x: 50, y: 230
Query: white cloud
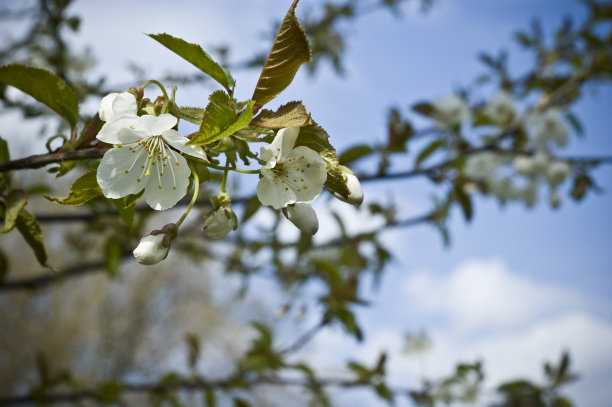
x: 483, y: 311
x: 480, y: 296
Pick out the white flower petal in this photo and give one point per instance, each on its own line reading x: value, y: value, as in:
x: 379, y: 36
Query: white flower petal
x: 285, y: 140
x: 274, y: 194
x: 167, y: 184
x: 115, y: 105
x: 112, y: 176
x: 173, y: 138
x: 115, y: 132
x: 269, y: 155
x: 156, y: 125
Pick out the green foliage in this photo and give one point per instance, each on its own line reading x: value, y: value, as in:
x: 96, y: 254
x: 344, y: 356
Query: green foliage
x: 428, y: 150
x: 5, y: 177
x: 83, y: 189
x: 113, y: 251
x: 424, y: 108
x: 292, y: 114
x: 45, y: 87
x: 194, y: 54
x: 30, y: 230
x: 355, y: 153
x: 220, y: 120
x: 12, y: 205
x: 191, y: 114
x: 289, y: 51
x: 315, y: 137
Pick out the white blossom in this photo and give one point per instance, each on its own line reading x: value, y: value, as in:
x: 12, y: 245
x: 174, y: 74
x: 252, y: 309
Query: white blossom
x: 482, y: 165
x: 147, y: 154
x: 115, y: 105
x: 290, y: 175
x: 547, y: 126
x: 524, y: 165
x: 303, y: 217
x: 355, y: 196
x: 556, y: 172
x: 450, y: 111
x: 500, y: 109
x: 220, y: 222
x: 152, y: 249
x: 502, y: 188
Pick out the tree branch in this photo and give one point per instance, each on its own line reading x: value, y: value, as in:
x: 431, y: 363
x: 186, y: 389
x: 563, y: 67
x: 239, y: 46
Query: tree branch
x: 45, y: 280
x: 192, y: 384
x: 40, y: 160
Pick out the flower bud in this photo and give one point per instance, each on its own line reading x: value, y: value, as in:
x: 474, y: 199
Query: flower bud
x: 115, y: 105
x: 354, y: 186
x: 303, y: 217
x: 554, y: 199
x: 152, y: 249
x: 137, y: 91
x: 219, y: 222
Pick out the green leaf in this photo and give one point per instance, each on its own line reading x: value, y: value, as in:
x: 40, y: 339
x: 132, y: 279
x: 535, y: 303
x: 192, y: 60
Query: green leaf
x: 315, y: 137
x: 31, y: 232
x: 429, y: 150
x: 219, y: 119
x: 355, y: 153
x: 251, y: 206
x: 209, y: 397
x: 113, y: 250
x: 5, y: 177
x: 463, y: 199
x: 193, y: 347
x: 292, y: 114
x: 109, y: 392
x: 14, y: 202
x: 424, y: 108
x: 4, y: 266
x: 45, y: 87
x: 289, y: 51
x: 83, y: 189
x: 191, y: 114
x: 575, y: 123
x: 127, y: 209
x: 194, y: 54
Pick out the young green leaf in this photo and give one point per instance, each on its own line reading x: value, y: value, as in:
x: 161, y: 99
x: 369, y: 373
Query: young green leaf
x: 429, y: 150
x: 45, y: 87
x: 355, y: 153
x: 14, y: 202
x: 289, y: 51
x: 315, y: 137
x: 112, y: 255
x: 292, y: 114
x: 30, y: 230
x: 5, y: 177
x: 84, y: 189
x: 426, y: 109
x: 194, y: 54
x: 191, y: 114
x: 219, y: 119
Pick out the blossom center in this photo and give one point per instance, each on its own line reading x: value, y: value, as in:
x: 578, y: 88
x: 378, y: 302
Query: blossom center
x: 152, y: 156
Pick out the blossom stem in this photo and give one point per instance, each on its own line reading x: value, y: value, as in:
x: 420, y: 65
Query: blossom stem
x: 224, y: 179
x: 196, y: 190
x: 218, y: 167
x: 159, y: 85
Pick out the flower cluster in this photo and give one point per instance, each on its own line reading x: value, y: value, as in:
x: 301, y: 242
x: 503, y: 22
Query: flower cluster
x: 148, y: 157
x: 545, y: 130
x: 146, y: 154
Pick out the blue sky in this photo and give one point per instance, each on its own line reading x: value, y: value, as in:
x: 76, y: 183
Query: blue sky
x: 509, y: 256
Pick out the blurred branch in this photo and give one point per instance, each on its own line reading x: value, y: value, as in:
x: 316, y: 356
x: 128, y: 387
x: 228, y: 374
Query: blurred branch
x: 40, y: 160
x: 191, y: 384
x: 45, y: 280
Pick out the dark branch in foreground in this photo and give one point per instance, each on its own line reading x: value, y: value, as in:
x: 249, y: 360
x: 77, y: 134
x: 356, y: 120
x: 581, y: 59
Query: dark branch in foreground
x: 195, y: 384
x: 40, y: 160
x: 45, y: 280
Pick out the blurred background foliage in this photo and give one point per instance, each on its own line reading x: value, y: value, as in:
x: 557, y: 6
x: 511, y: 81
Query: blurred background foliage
x: 105, y: 331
